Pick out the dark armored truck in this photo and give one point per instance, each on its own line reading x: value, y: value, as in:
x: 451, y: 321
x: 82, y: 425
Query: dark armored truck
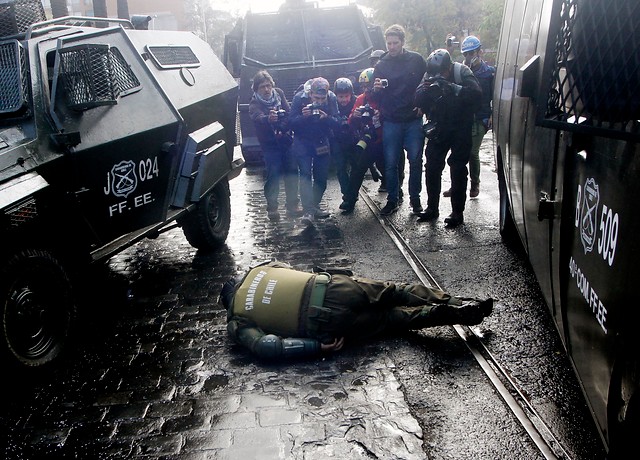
x: 294, y: 44
x: 107, y: 135
x: 566, y: 120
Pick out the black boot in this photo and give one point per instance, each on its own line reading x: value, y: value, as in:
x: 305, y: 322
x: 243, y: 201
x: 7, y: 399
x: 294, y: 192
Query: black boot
x: 470, y: 313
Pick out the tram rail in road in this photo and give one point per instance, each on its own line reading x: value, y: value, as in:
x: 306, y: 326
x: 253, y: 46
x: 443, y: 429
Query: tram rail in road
x: 498, y: 376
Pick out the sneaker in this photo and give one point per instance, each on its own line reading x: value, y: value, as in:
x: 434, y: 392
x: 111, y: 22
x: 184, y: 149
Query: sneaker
x: 475, y: 190
x: 447, y: 193
x: 454, y: 219
x: 429, y: 214
x: 389, y: 208
x: 273, y: 215
x: 416, y: 207
x: 307, y: 219
x: 349, y: 207
x: 321, y: 213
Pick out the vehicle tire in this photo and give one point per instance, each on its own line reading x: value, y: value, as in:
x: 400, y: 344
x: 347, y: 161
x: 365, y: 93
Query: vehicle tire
x: 624, y: 410
x: 508, y: 230
x: 207, y: 227
x: 37, y: 309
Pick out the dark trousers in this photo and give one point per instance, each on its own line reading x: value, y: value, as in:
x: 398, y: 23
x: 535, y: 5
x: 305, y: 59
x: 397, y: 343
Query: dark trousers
x: 360, y: 307
x: 363, y: 160
x: 459, y: 142
x: 280, y: 164
x: 314, y: 170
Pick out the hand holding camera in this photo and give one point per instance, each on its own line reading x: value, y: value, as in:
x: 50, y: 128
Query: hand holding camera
x: 380, y: 83
x: 313, y: 110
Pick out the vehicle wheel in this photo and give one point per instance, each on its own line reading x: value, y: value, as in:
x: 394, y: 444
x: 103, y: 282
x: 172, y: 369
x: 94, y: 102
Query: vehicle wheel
x: 207, y: 227
x: 37, y: 309
x: 624, y: 410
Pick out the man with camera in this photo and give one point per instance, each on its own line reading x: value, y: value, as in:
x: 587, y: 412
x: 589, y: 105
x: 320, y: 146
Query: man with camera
x: 396, y: 77
x: 269, y: 111
x: 472, y: 51
x: 277, y: 312
x: 343, y: 143
x: 364, y: 120
x: 314, y: 114
x: 448, y: 95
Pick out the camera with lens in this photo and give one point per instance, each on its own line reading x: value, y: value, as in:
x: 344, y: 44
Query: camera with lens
x: 283, y: 117
x: 315, y: 109
x: 430, y: 129
x: 365, y: 111
x: 367, y: 134
x: 384, y: 82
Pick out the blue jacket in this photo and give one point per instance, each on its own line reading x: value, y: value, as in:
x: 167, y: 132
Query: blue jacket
x: 310, y: 129
x: 485, y: 75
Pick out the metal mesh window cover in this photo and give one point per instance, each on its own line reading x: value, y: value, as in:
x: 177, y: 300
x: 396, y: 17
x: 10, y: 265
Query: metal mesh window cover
x: 95, y: 75
x: 14, y: 78
x: 17, y: 16
x: 594, y: 83
x: 172, y: 57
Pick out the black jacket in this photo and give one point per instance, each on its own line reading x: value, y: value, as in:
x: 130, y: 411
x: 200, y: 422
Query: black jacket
x: 404, y: 73
x: 440, y: 103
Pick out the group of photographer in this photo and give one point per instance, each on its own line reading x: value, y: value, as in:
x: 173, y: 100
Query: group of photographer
x: 380, y: 124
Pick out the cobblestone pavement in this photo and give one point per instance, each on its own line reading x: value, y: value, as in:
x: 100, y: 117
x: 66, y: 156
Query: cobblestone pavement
x: 153, y: 374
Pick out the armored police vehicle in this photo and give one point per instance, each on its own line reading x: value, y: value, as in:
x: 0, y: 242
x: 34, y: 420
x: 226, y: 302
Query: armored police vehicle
x: 107, y: 135
x: 566, y: 120
x: 297, y: 43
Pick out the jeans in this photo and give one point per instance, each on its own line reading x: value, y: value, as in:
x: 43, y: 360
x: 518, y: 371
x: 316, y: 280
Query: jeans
x: 459, y: 142
x: 280, y: 163
x: 314, y: 170
x: 397, y: 137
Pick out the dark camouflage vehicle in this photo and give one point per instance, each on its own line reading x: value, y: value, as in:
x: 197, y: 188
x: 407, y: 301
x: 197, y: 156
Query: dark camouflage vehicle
x: 295, y: 44
x: 107, y: 135
x: 566, y: 120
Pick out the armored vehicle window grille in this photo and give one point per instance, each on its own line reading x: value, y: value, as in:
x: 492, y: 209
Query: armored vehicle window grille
x: 17, y: 16
x: 14, y: 78
x: 95, y: 75
x: 171, y: 57
x: 306, y: 36
x: 595, y: 80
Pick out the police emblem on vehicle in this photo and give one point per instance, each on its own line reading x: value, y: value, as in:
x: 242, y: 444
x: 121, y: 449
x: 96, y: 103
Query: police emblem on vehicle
x: 589, y: 214
x: 123, y: 179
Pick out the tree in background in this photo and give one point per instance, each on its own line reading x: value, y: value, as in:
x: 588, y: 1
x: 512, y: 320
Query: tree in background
x: 209, y: 24
x: 428, y: 22
x: 59, y: 8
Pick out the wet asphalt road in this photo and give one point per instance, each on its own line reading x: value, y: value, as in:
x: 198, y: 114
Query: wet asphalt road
x: 152, y: 374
